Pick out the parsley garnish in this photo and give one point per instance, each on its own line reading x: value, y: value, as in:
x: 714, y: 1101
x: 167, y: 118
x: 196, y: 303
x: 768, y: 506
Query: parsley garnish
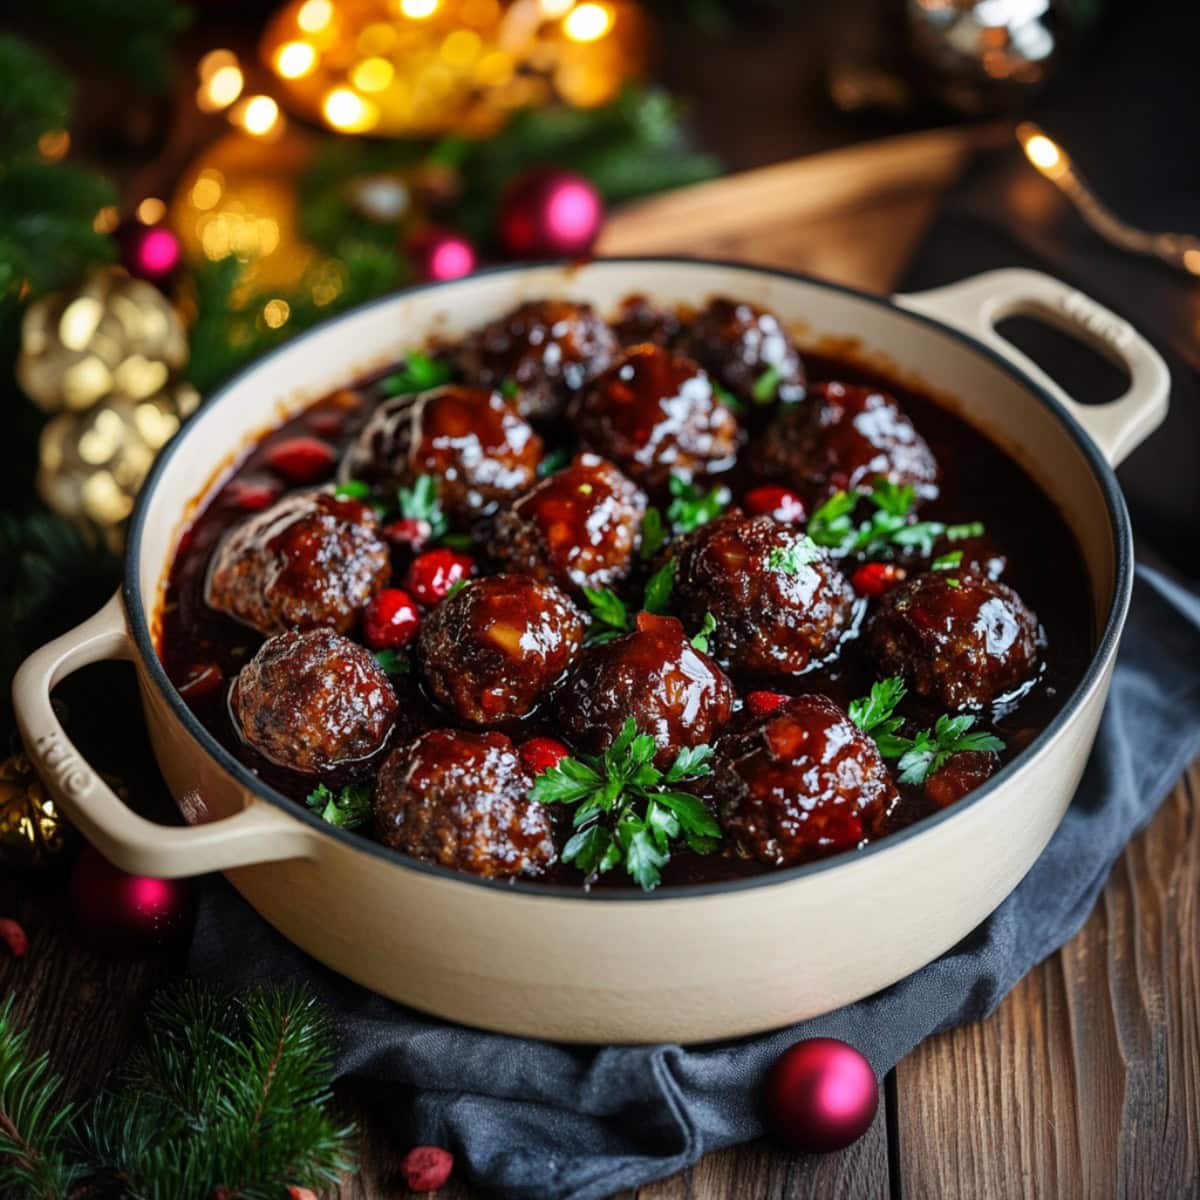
x: 418, y: 374
x: 791, y: 558
x: 947, y: 562
x: 727, y: 398
x: 956, y: 533
x: 456, y: 587
x: 690, y: 508
x: 457, y: 541
x: 553, y: 462
x: 610, y: 616
x: 653, y: 533
x: 420, y: 502
x: 700, y: 641
x: 352, y: 489
x: 766, y: 385
x: 925, y: 754
x: 508, y: 387
x: 392, y: 661
x: 349, y: 808
x: 626, y: 811
x: 659, y: 586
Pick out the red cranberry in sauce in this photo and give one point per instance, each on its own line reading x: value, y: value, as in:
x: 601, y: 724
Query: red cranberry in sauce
x: 579, y: 528
x: 958, y: 638
x: 772, y: 501
x: 675, y: 692
x: 779, y: 601
x: 843, y: 439
x: 541, y: 753
x: 490, y: 651
x: 548, y: 349
x: 431, y: 576
x: 461, y: 800
x: 803, y: 784
x: 309, y: 560
x: 961, y: 773
x: 654, y: 413
x: 391, y: 620
x: 301, y: 459
x: 746, y: 349
x: 874, y: 578
x: 313, y: 701
x: 470, y: 439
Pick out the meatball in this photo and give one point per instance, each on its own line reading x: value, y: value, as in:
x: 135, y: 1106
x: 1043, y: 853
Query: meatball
x: 469, y: 438
x: 654, y: 413
x: 805, y: 783
x: 490, y: 650
x: 654, y: 674
x: 579, y: 528
x: 739, y: 345
x: 461, y: 800
x: 843, y: 440
x: 958, y: 638
x: 638, y: 320
x: 962, y: 773
x: 313, y: 701
x: 309, y: 560
x: 548, y: 348
x: 779, y: 601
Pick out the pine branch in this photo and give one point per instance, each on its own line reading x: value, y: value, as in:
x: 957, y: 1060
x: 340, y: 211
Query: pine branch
x: 34, y: 97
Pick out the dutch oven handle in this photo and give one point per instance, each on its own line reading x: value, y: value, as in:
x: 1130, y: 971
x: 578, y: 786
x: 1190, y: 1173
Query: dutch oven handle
x: 975, y: 306
x: 257, y: 834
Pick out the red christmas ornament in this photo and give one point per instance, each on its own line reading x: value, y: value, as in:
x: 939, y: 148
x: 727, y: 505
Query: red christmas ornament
x: 820, y: 1096
x: 550, y: 213
x: 150, y: 252
x: 439, y: 254
x: 119, y: 911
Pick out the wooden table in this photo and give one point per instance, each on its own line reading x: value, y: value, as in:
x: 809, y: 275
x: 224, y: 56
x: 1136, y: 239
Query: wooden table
x: 1085, y: 1082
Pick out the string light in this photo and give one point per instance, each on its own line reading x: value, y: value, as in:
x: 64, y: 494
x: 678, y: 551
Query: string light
x: 588, y: 22
x: 151, y: 210
x: 221, y: 88
x: 54, y: 144
x: 294, y: 60
x: 276, y: 313
x: 314, y: 15
x: 418, y: 10
x: 258, y: 115
x: 107, y: 219
x: 348, y: 111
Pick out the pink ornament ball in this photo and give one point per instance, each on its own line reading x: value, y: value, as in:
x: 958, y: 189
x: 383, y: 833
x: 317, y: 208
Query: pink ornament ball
x: 549, y: 212
x: 820, y: 1096
x: 440, y: 254
x: 150, y: 252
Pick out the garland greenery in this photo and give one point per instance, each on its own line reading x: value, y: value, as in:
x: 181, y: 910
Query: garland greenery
x: 226, y: 1096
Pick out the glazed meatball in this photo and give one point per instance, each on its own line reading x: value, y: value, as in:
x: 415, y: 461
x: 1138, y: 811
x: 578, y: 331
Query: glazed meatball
x: 548, y: 348
x: 654, y: 674
x: 962, y: 773
x: 579, y: 528
x: 779, y: 601
x: 310, y: 560
x: 313, y: 701
x: 739, y: 344
x: 805, y: 783
x: 638, y: 320
x: 490, y: 651
x: 843, y: 440
x: 469, y: 438
x: 654, y: 413
x: 461, y: 800
x: 957, y: 637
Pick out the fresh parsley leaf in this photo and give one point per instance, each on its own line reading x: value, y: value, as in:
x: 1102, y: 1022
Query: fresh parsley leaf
x: 457, y: 541
x: 956, y: 533
x: 930, y: 749
x: 392, y: 661
x: 700, y: 641
x: 874, y: 713
x: 690, y: 763
x: 553, y: 462
x: 894, y: 499
x: 947, y: 562
x: 766, y: 385
x: 727, y: 398
x: 653, y: 533
x: 954, y: 583
x: 610, y: 616
x: 352, y: 489
x: 420, y: 502
x: 690, y: 508
x: 659, y: 587
x: 418, y: 374
x: 831, y: 524
x: 592, y: 850
x: 456, y: 587
x: 508, y: 387
x: 349, y: 808
x: 791, y: 558
x: 643, y: 859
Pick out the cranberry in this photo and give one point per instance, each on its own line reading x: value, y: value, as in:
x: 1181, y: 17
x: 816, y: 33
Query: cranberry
x: 391, y: 619
x: 252, y: 496
x: 201, y: 679
x: 430, y: 576
x: 875, y: 578
x: 762, y: 704
x: 13, y: 936
x: 413, y: 532
x: 301, y: 459
x: 541, y: 753
x: 426, y: 1168
x: 779, y: 502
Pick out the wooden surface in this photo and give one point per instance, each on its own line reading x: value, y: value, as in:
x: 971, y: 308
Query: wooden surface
x: 1084, y: 1083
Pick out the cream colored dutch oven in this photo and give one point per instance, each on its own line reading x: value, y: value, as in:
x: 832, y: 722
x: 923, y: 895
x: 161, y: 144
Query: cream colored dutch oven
x: 686, y: 964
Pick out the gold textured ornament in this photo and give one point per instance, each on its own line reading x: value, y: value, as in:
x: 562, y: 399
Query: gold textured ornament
x: 92, y: 464
x: 113, y: 337
x: 32, y: 830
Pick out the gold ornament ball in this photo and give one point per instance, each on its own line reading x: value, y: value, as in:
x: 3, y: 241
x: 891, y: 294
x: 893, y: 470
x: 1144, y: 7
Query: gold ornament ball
x: 32, y: 830
x: 113, y: 337
x: 92, y: 464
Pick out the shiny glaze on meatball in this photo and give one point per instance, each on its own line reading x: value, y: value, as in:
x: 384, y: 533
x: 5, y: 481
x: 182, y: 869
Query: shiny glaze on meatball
x: 313, y: 701
x: 461, y: 800
x: 309, y: 560
x: 961, y: 773
x: 959, y: 638
x: 492, y: 649
x: 638, y: 320
x: 805, y: 783
x: 654, y: 674
x: 579, y: 528
x: 469, y: 438
x: 548, y: 348
x: 738, y: 343
x: 779, y: 601
x: 842, y: 439
x: 654, y: 413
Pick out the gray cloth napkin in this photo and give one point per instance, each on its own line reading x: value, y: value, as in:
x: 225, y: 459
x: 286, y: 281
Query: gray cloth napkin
x: 540, y: 1121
